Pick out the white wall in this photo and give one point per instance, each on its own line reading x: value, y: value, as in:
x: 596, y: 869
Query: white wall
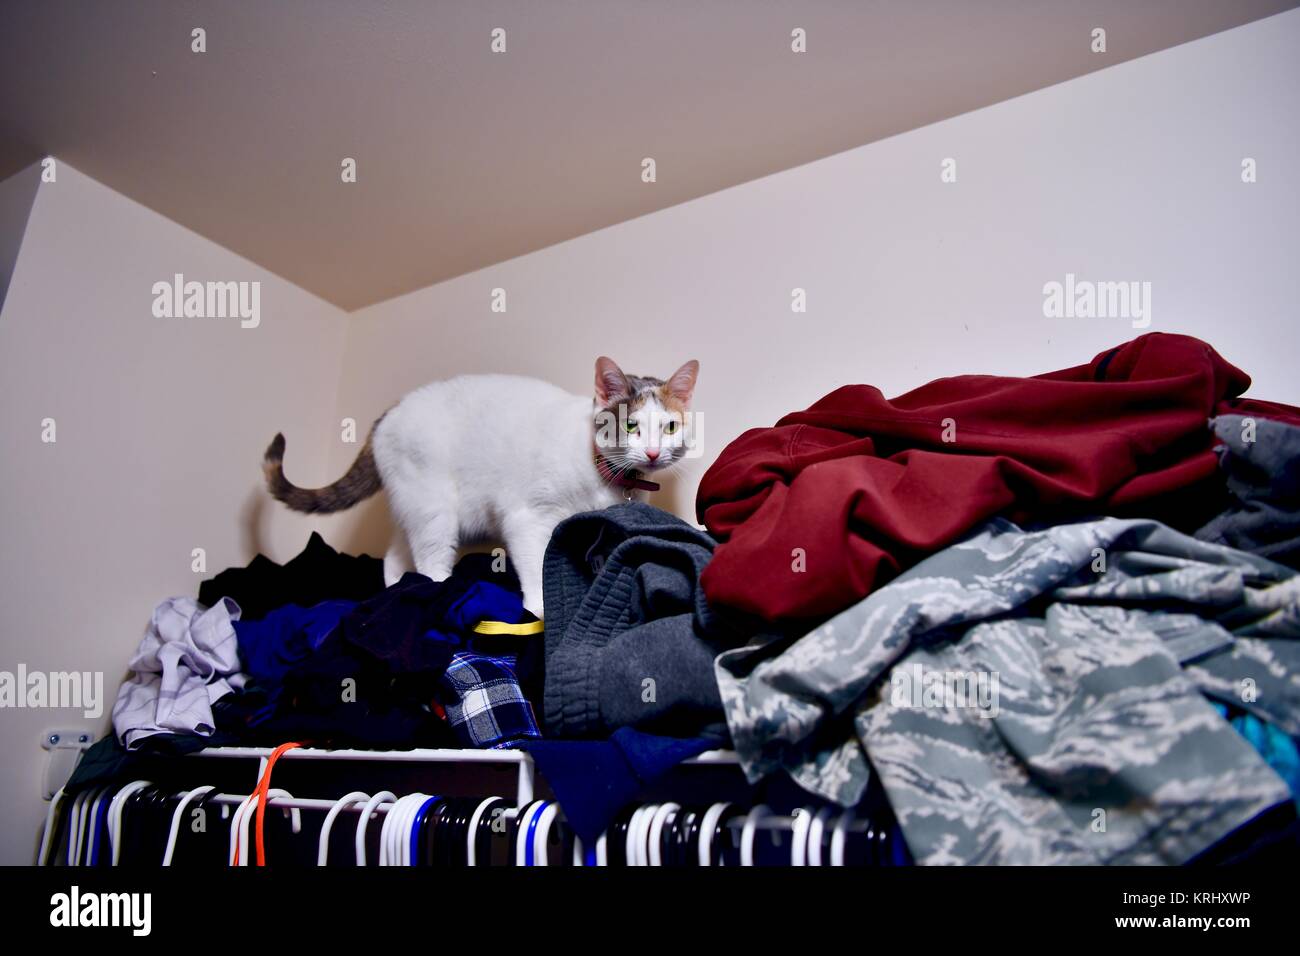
x: 160, y: 427
x: 1132, y: 173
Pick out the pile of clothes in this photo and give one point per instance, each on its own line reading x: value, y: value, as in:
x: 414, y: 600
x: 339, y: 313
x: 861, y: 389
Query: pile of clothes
x: 319, y: 650
x: 1051, y: 619
x: 1055, y: 616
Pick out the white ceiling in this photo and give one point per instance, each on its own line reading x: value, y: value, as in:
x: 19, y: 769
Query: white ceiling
x: 465, y: 157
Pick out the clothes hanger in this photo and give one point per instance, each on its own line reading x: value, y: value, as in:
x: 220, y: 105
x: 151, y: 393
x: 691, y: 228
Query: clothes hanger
x: 383, y: 796
x: 444, y: 837
x: 688, y: 839
x: 816, y: 834
x: 529, y: 833
x: 630, y: 857
x: 47, y: 835
x: 395, y: 832
x: 135, y: 814
x: 204, y: 844
x: 342, y: 803
x: 447, y: 832
x: 244, y: 816
x: 616, y: 837
x: 130, y: 823
x: 838, y: 837
x: 636, y: 834
x: 386, y: 829
x: 74, y: 825
x: 419, y: 824
x: 654, y: 849
x: 159, y: 816
x: 74, y: 829
x: 482, y: 815
x: 92, y: 825
x: 542, y: 823
x: 747, y: 834
x: 709, y: 826
x: 186, y: 797
x: 115, y: 815
x: 799, y: 831
x: 521, y: 833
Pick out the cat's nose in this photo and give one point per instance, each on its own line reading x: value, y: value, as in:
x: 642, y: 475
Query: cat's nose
x: 652, y: 455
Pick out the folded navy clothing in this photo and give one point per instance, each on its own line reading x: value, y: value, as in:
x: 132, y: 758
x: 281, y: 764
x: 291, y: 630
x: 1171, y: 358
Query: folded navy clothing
x: 594, y: 779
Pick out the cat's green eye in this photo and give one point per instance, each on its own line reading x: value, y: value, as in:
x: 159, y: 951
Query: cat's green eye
x: 630, y: 426
x: 670, y: 428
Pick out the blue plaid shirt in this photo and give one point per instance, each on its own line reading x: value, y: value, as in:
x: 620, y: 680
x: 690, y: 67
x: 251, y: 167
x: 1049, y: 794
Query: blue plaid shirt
x: 485, y: 705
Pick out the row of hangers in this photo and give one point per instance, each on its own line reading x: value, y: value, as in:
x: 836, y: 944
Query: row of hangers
x: 142, y: 823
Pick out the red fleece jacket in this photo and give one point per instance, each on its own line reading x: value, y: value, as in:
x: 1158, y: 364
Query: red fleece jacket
x: 832, y: 502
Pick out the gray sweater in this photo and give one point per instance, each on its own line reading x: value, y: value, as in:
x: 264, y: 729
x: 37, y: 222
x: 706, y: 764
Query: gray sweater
x: 630, y: 641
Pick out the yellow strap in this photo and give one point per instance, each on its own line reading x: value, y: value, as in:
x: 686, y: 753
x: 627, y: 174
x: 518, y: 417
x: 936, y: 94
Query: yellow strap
x: 501, y: 627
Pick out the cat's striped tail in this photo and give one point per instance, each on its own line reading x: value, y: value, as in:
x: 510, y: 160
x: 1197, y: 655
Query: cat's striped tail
x: 361, y: 481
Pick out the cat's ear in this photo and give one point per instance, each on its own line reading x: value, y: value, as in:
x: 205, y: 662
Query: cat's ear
x: 682, y: 383
x: 611, y: 383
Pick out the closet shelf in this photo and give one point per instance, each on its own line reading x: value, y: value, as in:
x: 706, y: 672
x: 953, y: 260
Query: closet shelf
x: 520, y: 758
x: 425, y: 755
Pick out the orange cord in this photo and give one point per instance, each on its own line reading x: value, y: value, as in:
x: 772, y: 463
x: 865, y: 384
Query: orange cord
x: 263, y: 786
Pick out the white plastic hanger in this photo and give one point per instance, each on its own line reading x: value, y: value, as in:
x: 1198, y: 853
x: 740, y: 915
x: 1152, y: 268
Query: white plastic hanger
x: 471, y: 843
x: 542, y: 833
x: 386, y: 830
x: 323, y: 847
x: 74, y: 828
x: 383, y: 796
x: 816, y: 832
x: 395, y: 835
x: 244, y: 814
x: 636, y: 834
x: 838, y: 836
x: 799, y: 831
x: 176, y: 822
x: 655, y: 835
x: 47, y: 835
x: 521, y: 838
x: 250, y: 810
x: 747, y: 834
x: 707, y: 826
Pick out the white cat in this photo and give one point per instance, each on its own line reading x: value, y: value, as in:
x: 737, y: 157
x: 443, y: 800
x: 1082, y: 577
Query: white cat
x: 502, y: 457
